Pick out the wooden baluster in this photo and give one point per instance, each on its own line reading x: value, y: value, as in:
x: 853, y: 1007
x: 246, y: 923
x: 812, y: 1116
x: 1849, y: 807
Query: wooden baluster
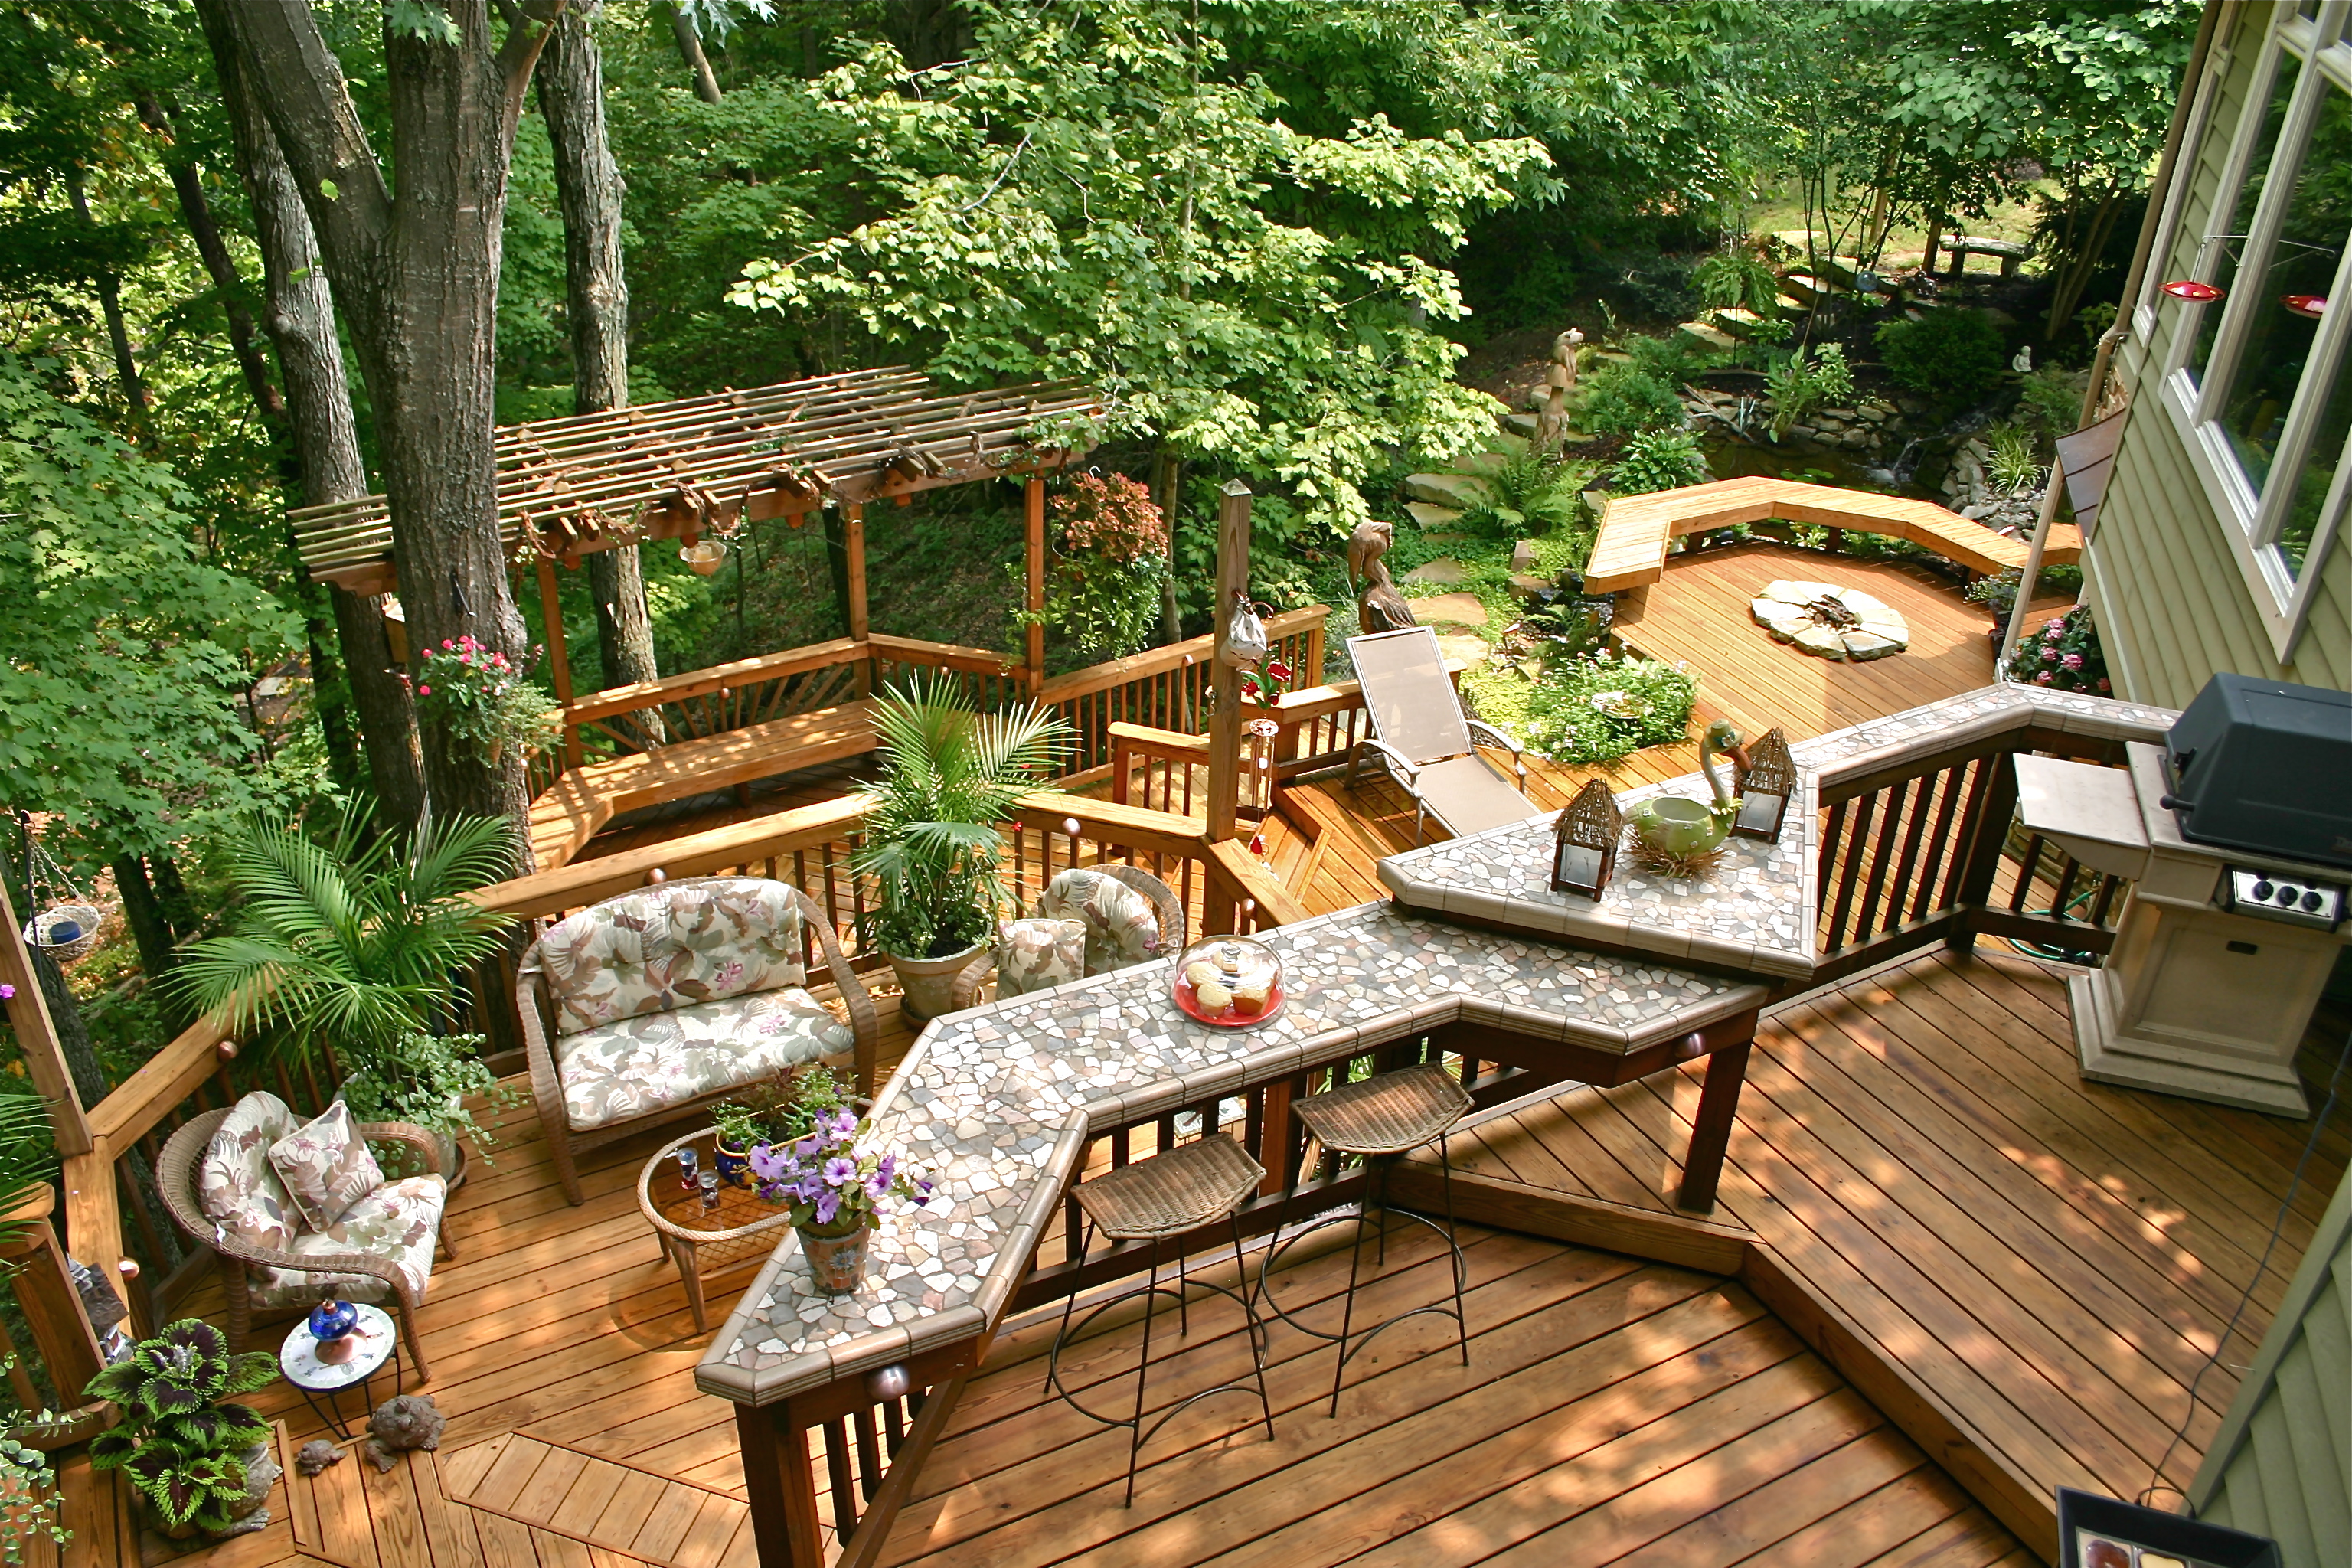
x: 1992, y: 802
x: 1881, y: 859
x: 869, y: 1455
x: 837, y: 1471
x: 1922, y: 792
x: 2026, y: 874
x: 1950, y: 785
x: 1857, y: 850
x: 2107, y: 888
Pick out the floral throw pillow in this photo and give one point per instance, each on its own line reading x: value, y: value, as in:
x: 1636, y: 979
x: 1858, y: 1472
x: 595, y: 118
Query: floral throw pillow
x: 235, y: 1186
x: 1033, y: 954
x: 1122, y: 928
x: 326, y: 1166
x: 672, y: 945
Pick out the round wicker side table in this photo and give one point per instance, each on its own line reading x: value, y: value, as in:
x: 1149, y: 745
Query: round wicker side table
x: 705, y: 1242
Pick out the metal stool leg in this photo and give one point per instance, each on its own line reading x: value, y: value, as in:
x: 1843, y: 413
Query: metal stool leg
x: 1348, y: 1309
x: 1249, y: 1319
x: 1062, y: 1335
x: 1454, y: 1242
x: 1142, y: 1370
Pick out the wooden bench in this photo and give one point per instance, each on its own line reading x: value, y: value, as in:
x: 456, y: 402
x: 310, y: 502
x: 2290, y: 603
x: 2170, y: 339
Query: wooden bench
x: 1963, y: 246
x: 1630, y: 550
x: 563, y: 819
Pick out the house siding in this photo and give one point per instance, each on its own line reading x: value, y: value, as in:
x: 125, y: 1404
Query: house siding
x: 2172, y: 604
x: 2281, y: 1463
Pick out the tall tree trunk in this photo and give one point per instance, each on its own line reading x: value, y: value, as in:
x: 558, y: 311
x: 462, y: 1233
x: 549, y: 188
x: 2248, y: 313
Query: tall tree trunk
x: 690, y: 48
x: 300, y: 319
x: 588, y: 185
x: 415, y: 273
x: 151, y: 929
x: 330, y: 692
x: 109, y: 304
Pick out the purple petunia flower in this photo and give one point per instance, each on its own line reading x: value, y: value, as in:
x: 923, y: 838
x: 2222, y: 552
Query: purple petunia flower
x: 840, y: 1172
x: 886, y: 1168
x: 768, y: 1165
x: 828, y: 1204
x: 923, y: 1189
x: 877, y: 1186
x: 7, y: 993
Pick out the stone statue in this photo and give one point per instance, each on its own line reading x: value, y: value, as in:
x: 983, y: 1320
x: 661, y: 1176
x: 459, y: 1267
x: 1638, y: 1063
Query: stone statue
x: 1560, y: 386
x: 316, y: 1454
x: 1378, y: 606
x: 403, y: 1421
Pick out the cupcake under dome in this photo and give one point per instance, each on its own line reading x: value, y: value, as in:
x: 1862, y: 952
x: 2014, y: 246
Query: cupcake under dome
x: 1831, y: 622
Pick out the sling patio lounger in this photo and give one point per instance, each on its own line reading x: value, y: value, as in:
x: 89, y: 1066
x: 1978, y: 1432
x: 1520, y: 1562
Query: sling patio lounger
x: 1429, y: 744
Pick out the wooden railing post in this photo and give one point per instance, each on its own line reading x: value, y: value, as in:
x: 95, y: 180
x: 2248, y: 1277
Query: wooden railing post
x: 1226, y: 724
x: 1985, y: 837
x: 559, y: 656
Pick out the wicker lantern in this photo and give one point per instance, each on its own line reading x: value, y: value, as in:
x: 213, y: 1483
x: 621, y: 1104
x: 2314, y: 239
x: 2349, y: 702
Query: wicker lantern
x: 1765, y: 785
x: 1584, y: 842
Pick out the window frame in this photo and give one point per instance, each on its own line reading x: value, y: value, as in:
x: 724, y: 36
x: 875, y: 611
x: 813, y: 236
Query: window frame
x: 2252, y: 522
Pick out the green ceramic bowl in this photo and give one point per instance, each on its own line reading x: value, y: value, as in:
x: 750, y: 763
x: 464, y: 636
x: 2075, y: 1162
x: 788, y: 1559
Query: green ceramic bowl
x: 1678, y: 826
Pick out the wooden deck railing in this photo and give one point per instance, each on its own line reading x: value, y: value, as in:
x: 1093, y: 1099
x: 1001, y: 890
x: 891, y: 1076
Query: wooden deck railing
x: 1164, y: 687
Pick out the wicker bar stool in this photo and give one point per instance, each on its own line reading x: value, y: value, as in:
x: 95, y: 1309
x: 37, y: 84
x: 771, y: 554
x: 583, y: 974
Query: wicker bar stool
x: 1157, y: 1199
x: 1380, y: 1119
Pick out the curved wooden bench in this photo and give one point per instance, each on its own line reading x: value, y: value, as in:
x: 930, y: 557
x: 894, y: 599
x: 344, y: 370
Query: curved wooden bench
x: 1630, y: 551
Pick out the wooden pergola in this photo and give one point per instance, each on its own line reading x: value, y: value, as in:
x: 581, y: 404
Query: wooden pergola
x: 709, y: 465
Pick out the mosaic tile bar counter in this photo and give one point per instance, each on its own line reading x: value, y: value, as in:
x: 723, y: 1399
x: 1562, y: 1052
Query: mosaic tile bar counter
x: 997, y: 1104
x: 1758, y: 912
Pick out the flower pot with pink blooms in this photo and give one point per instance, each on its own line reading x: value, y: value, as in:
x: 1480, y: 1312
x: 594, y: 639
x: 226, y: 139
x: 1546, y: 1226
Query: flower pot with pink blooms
x: 2061, y: 654
x: 478, y: 694
x: 838, y: 1194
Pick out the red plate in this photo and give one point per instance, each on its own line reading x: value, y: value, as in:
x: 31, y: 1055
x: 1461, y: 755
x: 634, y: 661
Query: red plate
x: 1230, y: 1018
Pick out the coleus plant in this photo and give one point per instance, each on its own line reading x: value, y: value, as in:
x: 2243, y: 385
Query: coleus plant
x: 183, y: 1450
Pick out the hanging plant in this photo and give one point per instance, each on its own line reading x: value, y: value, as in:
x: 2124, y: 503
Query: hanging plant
x: 1110, y: 567
x: 481, y: 695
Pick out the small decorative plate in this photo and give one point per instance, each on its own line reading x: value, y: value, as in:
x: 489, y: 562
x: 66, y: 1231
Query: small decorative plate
x: 1228, y: 983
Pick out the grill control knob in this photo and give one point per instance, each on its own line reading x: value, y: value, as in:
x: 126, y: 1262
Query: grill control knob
x: 2286, y: 897
x: 2263, y: 889
x: 2312, y: 900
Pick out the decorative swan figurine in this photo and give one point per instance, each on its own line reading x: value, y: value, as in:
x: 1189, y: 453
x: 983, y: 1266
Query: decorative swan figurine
x: 1675, y: 826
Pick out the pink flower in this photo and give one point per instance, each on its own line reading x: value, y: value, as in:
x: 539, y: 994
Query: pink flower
x: 7, y: 993
x: 2042, y: 679
x: 425, y: 691
x: 446, y: 643
x: 2071, y: 661
x: 2049, y: 655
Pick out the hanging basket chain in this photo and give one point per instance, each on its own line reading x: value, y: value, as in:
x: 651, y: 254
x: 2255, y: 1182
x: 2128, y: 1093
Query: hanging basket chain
x: 66, y: 928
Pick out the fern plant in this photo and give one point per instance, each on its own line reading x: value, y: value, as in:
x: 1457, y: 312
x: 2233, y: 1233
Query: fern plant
x: 1531, y: 494
x: 949, y: 776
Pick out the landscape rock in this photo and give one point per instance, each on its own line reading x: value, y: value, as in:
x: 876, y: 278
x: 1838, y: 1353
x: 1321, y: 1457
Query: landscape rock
x: 1520, y: 423
x: 1821, y: 642
x: 1450, y: 609
x: 1523, y: 555
x: 1429, y: 517
x: 1472, y: 651
x: 1444, y: 570
x: 1866, y: 644
x: 1458, y: 490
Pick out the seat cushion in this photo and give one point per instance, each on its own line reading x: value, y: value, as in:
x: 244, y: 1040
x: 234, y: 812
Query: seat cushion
x: 633, y: 1066
x: 1467, y: 796
x: 670, y: 945
x: 1122, y: 928
x: 236, y: 1185
x: 325, y: 1166
x: 398, y: 1222
x: 1033, y: 954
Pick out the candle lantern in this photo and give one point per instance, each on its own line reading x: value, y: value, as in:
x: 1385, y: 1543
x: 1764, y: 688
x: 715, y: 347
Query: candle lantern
x: 1766, y: 783
x: 1584, y: 842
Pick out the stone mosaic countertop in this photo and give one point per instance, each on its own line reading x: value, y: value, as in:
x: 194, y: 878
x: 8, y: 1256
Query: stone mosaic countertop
x: 997, y: 1103
x: 1759, y: 912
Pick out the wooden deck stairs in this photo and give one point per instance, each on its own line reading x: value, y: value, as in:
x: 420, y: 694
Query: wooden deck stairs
x: 584, y: 799
x: 1630, y: 552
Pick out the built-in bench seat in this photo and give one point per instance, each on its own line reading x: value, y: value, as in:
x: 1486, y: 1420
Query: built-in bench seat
x: 563, y: 819
x: 1630, y: 551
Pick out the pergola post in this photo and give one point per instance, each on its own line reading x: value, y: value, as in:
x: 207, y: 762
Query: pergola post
x: 1226, y: 723
x: 37, y: 1036
x: 853, y: 555
x: 1034, y: 496
x: 559, y: 654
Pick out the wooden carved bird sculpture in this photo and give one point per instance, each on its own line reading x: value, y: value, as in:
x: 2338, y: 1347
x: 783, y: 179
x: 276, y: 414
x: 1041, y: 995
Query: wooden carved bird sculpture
x: 1378, y: 606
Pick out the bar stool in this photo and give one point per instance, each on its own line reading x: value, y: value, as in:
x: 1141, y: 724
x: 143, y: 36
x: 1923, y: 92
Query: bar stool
x: 1380, y: 1119
x: 1159, y: 1198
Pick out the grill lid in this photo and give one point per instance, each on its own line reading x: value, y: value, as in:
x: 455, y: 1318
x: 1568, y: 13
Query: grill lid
x: 2267, y: 766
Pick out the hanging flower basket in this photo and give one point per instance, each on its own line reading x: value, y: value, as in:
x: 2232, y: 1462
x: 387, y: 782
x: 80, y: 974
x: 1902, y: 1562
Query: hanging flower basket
x: 66, y: 932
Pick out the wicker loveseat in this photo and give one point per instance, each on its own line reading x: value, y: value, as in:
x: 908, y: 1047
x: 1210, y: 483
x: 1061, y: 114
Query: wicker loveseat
x: 272, y: 1260
x: 656, y: 1003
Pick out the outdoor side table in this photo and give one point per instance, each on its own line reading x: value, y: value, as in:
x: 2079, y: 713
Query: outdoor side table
x: 705, y: 1242
x: 375, y: 1341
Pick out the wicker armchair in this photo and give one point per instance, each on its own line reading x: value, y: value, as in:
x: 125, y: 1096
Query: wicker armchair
x: 177, y: 1177
x: 536, y: 1006
x: 1164, y: 903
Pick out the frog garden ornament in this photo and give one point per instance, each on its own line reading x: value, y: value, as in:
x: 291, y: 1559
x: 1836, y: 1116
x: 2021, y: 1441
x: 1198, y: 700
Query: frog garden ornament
x: 1673, y: 825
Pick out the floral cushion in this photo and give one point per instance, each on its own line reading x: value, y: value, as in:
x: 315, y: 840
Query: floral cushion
x: 1122, y: 928
x: 236, y: 1185
x: 398, y: 1223
x: 635, y: 1065
x: 1033, y: 954
x: 669, y: 946
x: 326, y: 1166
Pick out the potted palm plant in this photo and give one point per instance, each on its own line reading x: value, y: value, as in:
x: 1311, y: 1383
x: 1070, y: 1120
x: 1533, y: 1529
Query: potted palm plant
x: 949, y: 776
x: 350, y: 943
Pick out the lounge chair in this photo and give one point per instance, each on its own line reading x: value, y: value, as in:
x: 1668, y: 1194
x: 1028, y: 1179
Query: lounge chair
x: 1429, y: 745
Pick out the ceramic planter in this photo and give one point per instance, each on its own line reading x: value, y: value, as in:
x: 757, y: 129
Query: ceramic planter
x: 930, y: 982
x: 836, y: 1261
x: 1674, y: 825
x: 734, y: 1163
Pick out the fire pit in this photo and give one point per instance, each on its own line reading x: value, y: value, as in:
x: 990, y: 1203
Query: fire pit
x: 1829, y: 621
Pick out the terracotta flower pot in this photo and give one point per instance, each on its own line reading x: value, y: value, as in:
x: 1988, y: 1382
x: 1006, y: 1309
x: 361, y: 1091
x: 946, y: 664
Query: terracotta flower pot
x: 929, y: 982
x: 837, y: 1259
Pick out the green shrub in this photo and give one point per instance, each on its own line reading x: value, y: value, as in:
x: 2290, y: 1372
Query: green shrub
x: 2053, y: 398
x: 1624, y: 399
x: 1950, y: 354
x: 1798, y: 385
x: 2062, y: 654
x: 1658, y: 460
x: 1734, y: 281
x: 1532, y: 494
x: 1675, y: 358
x: 1554, y: 714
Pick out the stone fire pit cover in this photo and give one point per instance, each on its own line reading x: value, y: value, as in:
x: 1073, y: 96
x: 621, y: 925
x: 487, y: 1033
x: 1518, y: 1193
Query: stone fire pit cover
x: 1829, y: 621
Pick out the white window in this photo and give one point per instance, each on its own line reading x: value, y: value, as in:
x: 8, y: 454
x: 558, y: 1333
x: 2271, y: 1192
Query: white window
x: 2262, y: 381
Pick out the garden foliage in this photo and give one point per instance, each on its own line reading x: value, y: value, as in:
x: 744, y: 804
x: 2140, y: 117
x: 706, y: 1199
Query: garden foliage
x: 1951, y: 354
